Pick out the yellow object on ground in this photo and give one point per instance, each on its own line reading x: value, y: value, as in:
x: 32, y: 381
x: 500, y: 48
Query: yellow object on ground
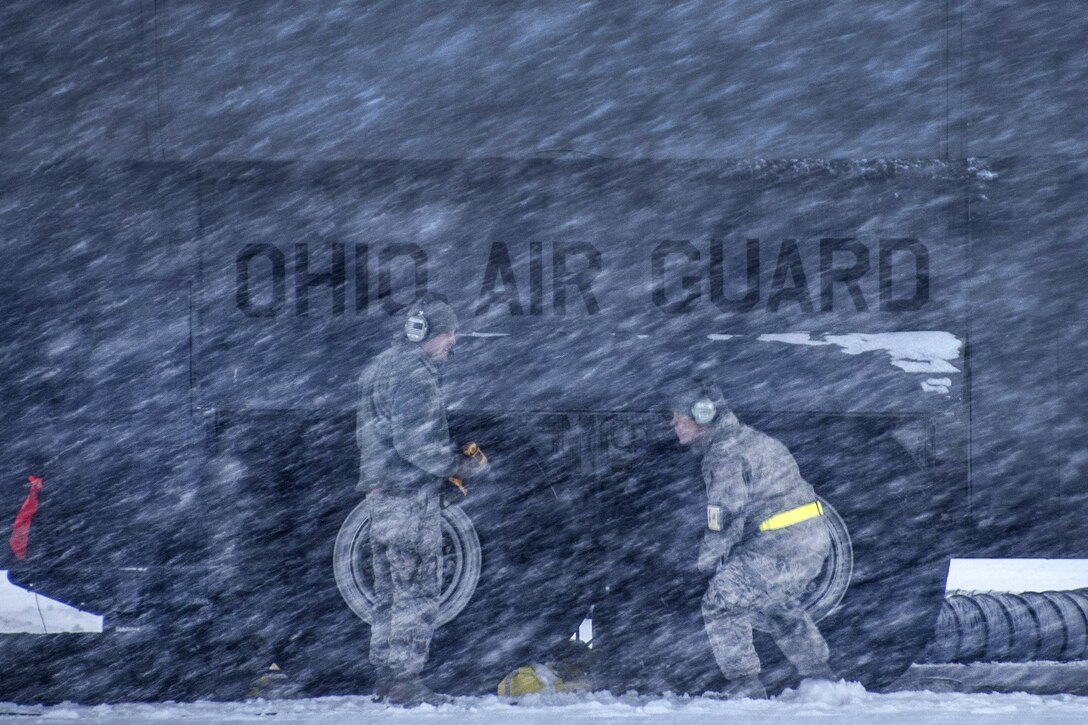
x: 272, y: 685
x: 534, y: 679
x: 793, y: 516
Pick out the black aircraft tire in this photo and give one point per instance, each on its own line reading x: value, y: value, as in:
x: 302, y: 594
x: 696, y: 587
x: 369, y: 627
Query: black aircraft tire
x: 881, y: 627
x: 513, y: 540
x: 889, y: 612
x: 459, y: 565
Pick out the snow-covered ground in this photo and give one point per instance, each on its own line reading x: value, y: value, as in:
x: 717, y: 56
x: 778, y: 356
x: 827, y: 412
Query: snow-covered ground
x: 948, y: 693
x: 842, y: 703
x: 1016, y: 575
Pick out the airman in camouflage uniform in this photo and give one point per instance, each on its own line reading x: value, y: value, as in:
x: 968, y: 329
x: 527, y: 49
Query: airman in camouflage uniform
x: 405, y: 458
x: 758, y: 577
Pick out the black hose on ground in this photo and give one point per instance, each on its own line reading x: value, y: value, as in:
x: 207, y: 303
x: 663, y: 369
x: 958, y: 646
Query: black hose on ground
x: 1007, y: 627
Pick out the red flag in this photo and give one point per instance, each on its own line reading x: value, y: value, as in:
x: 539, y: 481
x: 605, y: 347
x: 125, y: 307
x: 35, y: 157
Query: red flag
x: 20, y: 530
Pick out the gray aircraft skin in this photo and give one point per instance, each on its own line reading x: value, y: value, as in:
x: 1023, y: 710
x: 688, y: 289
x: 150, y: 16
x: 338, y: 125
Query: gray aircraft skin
x: 866, y: 225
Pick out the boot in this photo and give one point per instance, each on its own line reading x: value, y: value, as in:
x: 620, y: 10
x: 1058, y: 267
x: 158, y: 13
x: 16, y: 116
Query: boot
x: 412, y: 692
x: 748, y: 687
x: 383, y: 683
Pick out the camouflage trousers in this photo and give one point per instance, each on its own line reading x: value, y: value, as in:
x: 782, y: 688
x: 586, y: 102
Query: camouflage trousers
x: 405, y: 541
x: 759, y: 590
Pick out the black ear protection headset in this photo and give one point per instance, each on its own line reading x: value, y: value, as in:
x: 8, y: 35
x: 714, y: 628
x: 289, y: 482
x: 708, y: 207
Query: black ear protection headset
x: 705, y: 408
x: 416, y: 326
x: 703, y: 411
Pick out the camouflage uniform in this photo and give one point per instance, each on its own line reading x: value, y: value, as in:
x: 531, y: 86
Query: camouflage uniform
x: 405, y: 456
x: 759, y: 577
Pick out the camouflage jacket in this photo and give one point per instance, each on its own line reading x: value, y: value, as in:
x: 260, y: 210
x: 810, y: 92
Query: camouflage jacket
x: 750, y: 477
x: 401, y: 429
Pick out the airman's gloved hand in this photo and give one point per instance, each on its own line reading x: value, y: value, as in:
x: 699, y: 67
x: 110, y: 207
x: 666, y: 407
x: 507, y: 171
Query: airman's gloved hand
x: 473, y: 464
x: 469, y: 468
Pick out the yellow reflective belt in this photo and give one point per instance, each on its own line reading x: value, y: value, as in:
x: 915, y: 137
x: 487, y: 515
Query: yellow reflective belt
x: 793, y: 516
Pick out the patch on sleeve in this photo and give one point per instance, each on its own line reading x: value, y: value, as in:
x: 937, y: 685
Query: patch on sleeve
x: 714, y: 518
